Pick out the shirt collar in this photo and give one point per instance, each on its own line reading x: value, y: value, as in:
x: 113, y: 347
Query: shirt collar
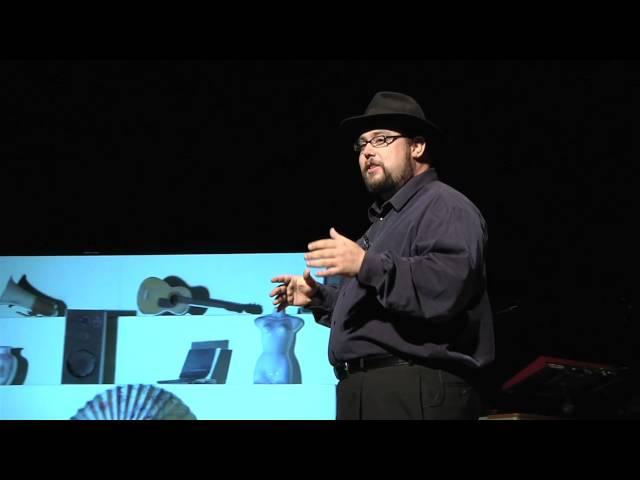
x: 402, y: 196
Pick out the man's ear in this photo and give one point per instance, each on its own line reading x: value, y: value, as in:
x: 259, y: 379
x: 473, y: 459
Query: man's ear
x: 419, y: 148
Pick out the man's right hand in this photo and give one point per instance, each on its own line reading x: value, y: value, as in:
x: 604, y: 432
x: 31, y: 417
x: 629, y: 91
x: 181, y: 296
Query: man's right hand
x: 297, y: 290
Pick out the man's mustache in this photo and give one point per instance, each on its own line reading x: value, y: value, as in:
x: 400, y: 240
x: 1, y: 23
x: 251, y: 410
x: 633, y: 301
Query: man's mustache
x: 368, y: 165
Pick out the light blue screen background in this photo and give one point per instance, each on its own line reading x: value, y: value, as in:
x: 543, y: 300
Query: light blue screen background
x: 152, y: 347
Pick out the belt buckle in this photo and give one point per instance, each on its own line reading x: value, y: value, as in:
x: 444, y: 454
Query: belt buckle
x: 346, y: 366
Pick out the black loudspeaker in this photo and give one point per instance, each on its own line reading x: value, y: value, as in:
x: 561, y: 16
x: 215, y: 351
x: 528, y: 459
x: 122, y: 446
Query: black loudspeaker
x: 90, y: 346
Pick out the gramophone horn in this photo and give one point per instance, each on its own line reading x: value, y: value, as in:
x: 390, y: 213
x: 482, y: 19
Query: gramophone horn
x: 14, y: 294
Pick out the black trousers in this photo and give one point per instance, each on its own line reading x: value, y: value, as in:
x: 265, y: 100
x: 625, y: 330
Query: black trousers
x: 411, y: 392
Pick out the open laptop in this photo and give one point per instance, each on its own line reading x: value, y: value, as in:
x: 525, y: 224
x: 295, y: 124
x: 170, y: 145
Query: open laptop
x: 206, y: 362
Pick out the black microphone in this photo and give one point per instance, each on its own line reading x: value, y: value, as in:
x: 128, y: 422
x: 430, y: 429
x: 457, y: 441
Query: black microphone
x: 364, y: 242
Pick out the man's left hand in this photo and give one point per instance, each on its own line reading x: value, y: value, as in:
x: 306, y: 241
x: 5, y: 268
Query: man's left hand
x: 338, y: 255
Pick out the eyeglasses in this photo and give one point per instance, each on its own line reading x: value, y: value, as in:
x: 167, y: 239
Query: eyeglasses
x: 378, y: 141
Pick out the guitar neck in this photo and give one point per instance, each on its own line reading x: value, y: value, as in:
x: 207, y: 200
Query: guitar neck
x: 211, y: 302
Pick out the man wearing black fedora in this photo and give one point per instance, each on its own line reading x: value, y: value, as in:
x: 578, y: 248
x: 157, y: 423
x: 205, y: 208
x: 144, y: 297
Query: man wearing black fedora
x: 411, y: 324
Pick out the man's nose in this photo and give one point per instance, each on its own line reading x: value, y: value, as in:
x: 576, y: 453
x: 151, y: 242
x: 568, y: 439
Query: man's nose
x: 368, y: 150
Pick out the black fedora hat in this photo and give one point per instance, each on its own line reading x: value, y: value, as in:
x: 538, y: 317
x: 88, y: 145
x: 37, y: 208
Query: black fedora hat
x: 394, y: 111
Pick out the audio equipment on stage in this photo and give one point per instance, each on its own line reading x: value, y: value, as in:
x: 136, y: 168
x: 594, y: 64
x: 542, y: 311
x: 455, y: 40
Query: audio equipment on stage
x: 551, y: 374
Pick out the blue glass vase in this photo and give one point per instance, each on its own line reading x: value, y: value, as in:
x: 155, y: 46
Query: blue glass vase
x: 8, y: 365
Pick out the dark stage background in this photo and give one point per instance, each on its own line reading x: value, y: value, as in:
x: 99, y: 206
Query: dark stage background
x: 130, y: 157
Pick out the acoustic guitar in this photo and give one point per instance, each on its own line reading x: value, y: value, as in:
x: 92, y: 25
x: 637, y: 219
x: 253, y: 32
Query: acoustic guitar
x: 156, y: 296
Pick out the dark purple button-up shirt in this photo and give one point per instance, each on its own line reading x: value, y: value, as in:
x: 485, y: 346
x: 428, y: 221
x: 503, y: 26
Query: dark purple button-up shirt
x: 422, y: 290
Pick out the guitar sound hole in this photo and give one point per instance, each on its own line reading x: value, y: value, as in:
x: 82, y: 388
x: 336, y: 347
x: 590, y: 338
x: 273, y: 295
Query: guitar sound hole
x: 173, y: 299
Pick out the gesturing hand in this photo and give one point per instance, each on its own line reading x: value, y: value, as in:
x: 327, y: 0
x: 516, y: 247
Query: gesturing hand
x: 338, y: 254
x: 293, y: 290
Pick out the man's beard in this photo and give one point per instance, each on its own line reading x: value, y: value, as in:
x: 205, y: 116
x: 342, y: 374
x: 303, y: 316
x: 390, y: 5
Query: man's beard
x: 385, y: 185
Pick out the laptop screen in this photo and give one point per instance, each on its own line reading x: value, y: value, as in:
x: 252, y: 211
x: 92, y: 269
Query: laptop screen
x: 198, y: 363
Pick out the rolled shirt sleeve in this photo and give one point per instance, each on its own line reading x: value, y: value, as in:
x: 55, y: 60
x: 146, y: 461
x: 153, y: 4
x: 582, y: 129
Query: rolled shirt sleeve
x: 322, y: 304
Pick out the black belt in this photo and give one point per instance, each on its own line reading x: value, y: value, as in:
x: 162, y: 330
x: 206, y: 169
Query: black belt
x: 367, y: 363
